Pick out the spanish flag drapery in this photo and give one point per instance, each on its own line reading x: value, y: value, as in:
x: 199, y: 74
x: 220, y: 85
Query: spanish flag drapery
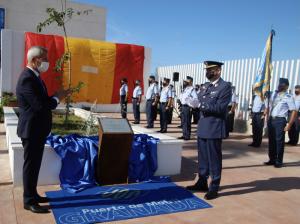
x: 99, y: 65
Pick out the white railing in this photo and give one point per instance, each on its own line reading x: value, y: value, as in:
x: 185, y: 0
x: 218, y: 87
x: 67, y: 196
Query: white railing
x: 241, y: 73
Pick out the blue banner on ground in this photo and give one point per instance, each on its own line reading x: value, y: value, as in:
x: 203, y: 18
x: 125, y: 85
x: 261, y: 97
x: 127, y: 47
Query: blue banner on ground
x: 112, y: 203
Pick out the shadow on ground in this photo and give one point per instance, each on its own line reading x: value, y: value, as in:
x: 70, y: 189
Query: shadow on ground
x: 272, y: 184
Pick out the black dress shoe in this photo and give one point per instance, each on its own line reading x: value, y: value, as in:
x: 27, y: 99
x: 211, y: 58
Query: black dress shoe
x: 179, y: 126
x: 163, y: 131
x: 135, y: 122
x: 197, y: 187
x: 269, y: 163
x: 186, y: 139
x: 40, y: 199
x: 211, y: 195
x: 149, y: 127
x: 278, y: 165
x: 181, y: 137
x: 36, y: 208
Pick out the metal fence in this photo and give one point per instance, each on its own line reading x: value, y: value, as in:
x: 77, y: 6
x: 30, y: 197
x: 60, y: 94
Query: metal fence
x: 241, y: 73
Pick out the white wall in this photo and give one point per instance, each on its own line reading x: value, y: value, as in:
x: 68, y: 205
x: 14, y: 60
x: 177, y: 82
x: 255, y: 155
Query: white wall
x: 24, y: 15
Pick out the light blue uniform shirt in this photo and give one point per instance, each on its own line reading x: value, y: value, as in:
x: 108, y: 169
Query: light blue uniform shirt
x: 297, y: 102
x: 151, y: 91
x: 258, y: 105
x: 189, y: 92
x: 123, y: 90
x: 137, y: 92
x: 165, y: 94
x: 281, y: 103
x: 233, y: 99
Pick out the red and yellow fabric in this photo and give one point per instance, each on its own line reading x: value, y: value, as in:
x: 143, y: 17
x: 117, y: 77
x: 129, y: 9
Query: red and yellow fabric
x: 99, y: 65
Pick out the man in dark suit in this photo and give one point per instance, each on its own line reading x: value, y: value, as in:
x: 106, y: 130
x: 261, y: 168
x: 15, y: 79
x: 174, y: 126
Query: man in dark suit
x: 35, y: 121
x: 214, y: 98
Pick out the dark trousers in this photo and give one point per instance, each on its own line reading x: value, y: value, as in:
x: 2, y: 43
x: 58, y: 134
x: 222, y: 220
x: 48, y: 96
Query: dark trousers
x: 123, y: 104
x: 229, y: 121
x: 149, y: 113
x: 294, y: 132
x: 257, y: 128
x: 163, y: 117
x: 276, y: 136
x: 33, y: 154
x: 136, y: 110
x: 196, y: 115
x: 186, y: 121
x: 170, y: 115
x: 210, y: 161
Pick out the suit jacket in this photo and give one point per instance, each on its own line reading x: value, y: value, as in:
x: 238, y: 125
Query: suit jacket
x: 213, y: 110
x: 35, y: 117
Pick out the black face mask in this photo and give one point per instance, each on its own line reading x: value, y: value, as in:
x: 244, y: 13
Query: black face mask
x: 165, y: 84
x: 210, y: 75
x: 297, y: 92
x: 281, y: 87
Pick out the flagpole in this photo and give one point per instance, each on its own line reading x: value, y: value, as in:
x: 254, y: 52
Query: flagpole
x: 269, y: 88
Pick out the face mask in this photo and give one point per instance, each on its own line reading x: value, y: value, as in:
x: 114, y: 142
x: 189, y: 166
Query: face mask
x: 165, y: 84
x: 297, y: 92
x: 43, y: 66
x: 210, y: 75
x: 281, y: 88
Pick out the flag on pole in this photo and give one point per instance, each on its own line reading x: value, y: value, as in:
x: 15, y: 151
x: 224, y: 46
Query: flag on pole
x: 262, y: 80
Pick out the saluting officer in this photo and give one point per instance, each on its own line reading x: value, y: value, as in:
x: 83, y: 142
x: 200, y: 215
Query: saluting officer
x: 294, y: 131
x: 257, y: 114
x: 123, y: 97
x: 214, y: 98
x: 136, y: 101
x: 151, y: 101
x: 165, y: 103
x: 189, y: 92
x: 280, y: 103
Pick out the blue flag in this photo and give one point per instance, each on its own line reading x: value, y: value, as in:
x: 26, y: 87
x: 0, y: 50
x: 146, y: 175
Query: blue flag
x: 262, y: 80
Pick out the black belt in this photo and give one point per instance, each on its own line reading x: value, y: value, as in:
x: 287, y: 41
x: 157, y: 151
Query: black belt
x: 163, y: 102
x: 149, y: 100
x: 134, y: 98
x: 257, y: 112
x: 185, y: 105
x: 278, y: 118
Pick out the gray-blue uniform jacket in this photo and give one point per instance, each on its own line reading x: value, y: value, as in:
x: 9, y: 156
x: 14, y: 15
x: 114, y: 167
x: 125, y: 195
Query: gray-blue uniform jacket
x: 214, y: 99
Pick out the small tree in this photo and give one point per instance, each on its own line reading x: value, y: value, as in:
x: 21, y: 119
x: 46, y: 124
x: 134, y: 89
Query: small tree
x: 61, y: 18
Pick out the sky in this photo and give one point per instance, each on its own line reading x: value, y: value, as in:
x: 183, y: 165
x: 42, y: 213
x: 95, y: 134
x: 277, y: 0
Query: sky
x: 191, y: 31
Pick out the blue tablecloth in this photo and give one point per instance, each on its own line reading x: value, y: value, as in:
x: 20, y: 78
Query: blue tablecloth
x: 79, y: 154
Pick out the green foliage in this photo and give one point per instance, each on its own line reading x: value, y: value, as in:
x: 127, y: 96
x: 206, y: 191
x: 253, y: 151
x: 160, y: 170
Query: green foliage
x: 90, y: 126
x: 7, y: 98
x: 60, y: 18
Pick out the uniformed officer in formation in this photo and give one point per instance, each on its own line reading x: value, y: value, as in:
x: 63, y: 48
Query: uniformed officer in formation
x: 171, y: 108
x: 294, y: 131
x: 165, y: 101
x: 231, y: 112
x: 195, y: 111
x: 151, y: 101
x: 123, y: 97
x: 214, y: 98
x: 136, y: 101
x: 257, y: 114
x: 188, y: 93
x: 280, y: 103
